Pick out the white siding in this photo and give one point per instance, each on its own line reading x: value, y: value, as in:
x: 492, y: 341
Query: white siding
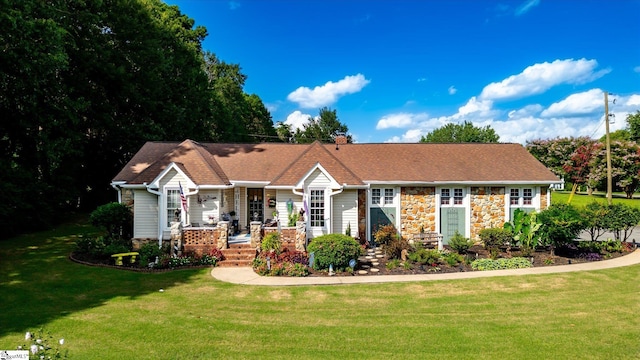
x: 199, y: 212
x: 282, y: 196
x: 145, y: 208
x: 345, y: 212
x: 318, y: 180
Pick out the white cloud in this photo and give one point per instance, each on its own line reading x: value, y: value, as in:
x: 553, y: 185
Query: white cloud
x: 452, y: 90
x: 233, y: 5
x: 527, y: 111
x: 422, y: 79
x: 400, y: 120
x: 634, y: 100
x: 296, y: 119
x: 473, y: 106
x: 328, y: 93
x: 637, y: 69
x: 539, y: 78
x: 526, y: 6
x: 587, y: 102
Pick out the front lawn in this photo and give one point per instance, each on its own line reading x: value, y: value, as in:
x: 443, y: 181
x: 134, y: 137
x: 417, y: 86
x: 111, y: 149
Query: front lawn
x: 111, y: 314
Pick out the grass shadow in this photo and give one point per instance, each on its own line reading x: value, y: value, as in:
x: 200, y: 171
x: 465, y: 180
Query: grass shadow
x: 39, y: 283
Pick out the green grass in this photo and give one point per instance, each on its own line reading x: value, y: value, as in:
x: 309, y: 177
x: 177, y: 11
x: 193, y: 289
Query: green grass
x: 113, y: 314
x: 582, y: 199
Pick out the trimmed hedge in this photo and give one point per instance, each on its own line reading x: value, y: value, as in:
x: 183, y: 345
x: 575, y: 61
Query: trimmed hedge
x: 333, y: 249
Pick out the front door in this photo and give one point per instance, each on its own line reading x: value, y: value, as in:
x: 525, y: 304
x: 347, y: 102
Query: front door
x: 381, y: 216
x: 451, y: 220
x: 256, y: 205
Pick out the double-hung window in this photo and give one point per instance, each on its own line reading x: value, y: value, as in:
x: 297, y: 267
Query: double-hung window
x: 174, y: 206
x: 316, y: 208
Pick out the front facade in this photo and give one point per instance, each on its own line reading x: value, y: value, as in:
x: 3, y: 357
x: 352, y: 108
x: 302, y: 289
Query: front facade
x: 442, y: 188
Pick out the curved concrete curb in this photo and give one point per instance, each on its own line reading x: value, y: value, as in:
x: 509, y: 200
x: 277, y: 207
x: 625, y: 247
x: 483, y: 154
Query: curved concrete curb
x: 246, y: 275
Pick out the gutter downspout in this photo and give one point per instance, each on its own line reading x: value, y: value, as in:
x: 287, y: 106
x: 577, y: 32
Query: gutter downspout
x: 331, y: 195
x: 119, y: 191
x: 159, y: 194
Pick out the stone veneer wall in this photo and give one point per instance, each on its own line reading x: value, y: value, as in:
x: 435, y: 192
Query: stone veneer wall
x: 362, y: 215
x: 487, y: 208
x: 544, y: 192
x: 418, y: 208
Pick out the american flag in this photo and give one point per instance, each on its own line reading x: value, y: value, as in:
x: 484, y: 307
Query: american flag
x: 183, y: 198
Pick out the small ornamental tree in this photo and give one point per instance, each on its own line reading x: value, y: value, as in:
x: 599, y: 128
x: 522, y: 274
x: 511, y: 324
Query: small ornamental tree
x: 579, y: 165
x: 595, y: 219
x: 621, y: 219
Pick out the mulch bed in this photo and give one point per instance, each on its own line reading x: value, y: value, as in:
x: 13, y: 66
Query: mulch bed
x: 541, y: 257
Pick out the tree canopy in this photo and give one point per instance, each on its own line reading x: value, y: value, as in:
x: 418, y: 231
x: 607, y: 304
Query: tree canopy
x: 83, y: 84
x: 461, y: 133
x: 323, y: 128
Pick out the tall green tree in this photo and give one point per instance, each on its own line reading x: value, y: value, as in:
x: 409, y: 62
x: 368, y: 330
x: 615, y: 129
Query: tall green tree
x: 236, y: 116
x: 461, y: 133
x: 324, y: 128
x: 633, y: 123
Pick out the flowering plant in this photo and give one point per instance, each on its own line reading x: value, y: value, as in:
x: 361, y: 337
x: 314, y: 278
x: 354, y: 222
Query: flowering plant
x: 42, y: 346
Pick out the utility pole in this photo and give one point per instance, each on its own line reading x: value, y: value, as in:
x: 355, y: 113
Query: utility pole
x: 608, y: 145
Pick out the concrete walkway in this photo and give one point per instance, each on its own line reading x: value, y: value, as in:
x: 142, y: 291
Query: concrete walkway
x: 246, y: 275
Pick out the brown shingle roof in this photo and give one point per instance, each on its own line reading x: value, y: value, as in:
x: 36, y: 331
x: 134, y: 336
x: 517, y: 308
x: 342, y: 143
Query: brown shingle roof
x: 353, y: 164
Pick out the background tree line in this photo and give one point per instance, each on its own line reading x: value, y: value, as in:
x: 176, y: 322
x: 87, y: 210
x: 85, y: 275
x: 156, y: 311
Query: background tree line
x: 83, y: 84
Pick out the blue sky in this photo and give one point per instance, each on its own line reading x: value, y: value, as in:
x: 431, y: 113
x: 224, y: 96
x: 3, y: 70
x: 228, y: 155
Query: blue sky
x: 396, y: 70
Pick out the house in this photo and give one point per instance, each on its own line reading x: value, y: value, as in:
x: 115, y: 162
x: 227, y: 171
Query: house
x: 441, y: 188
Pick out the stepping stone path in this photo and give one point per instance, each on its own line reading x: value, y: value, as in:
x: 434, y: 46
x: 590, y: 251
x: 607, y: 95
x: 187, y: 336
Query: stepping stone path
x: 370, y: 261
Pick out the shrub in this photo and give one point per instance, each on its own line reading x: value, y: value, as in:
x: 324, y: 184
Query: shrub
x: 524, y: 228
x: 89, y: 247
x: 385, y: 234
x: 278, y: 268
x: 621, y: 219
x: 425, y: 256
x: 294, y: 257
x: 149, y: 251
x: 452, y: 258
x: 271, y: 243
x: 500, y: 264
x: 562, y: 224
x: 392, y: 264
x: 394, y: 248
x: 293, y: 219
x: 492, y: 238
x: 459, y: 243
x: 115, y: 218
x: 334, y: 249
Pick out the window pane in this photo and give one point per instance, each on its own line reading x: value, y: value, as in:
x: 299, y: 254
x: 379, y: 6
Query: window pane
x: 316, y: 209
x: 527, y: 196
x: 173, y: 205
x: 388, y: 196
x: 514, y: 196
x: 457, y: 196
x: 445, y: 195
x: 375, y: 196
